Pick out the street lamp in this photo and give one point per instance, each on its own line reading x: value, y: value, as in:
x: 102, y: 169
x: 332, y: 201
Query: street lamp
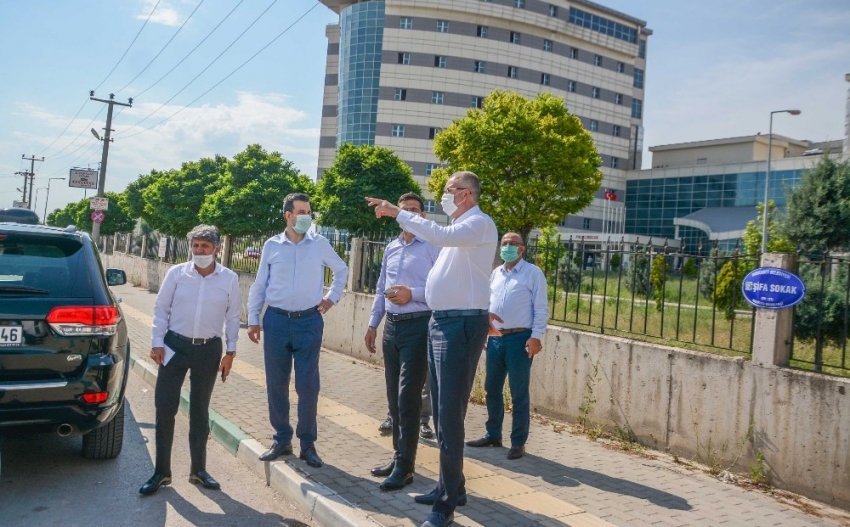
x: 767, y: 177
x: 47, y: 198
x: 35, y: 198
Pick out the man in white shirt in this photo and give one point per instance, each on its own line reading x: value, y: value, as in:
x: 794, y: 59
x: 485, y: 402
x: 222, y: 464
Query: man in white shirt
x: 458, y: 292
x: 519, y: 312
x: 197, y: 302
x: 290, y: 281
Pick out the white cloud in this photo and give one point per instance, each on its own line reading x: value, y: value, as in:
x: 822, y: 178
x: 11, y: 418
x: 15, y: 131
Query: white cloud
x: 164, y: 14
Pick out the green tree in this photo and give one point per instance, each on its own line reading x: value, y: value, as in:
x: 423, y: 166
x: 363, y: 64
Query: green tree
x: 657, y: 276
x: 614, y: 263
x: 545, y: 253
x: 250, y: 193
x: 65, y: 216
x: 638, y: 276
x: 118, y: 218
x: 689, y: 269
x: 134, y: 193
x: 777, y: 242
x: 358, y: 171
x: 727, y: 290
x: 536, y: 162
x: 818, y: 209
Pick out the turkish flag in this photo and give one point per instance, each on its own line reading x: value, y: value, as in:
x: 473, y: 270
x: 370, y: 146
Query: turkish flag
x: 611, y: 195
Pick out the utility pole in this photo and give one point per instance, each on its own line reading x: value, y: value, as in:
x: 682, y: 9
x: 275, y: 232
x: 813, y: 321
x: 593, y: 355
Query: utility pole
x: 101, y: 180
x: 29, y: 175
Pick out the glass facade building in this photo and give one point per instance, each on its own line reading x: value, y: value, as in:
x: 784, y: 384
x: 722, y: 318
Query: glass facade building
x: 360, y: 50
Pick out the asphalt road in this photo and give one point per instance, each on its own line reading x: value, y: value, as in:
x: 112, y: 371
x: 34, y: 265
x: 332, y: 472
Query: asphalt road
x: 46, y: 482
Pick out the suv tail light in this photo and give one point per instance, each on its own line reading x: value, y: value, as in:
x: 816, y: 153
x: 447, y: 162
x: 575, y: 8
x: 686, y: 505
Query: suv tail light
x: 70, y: 321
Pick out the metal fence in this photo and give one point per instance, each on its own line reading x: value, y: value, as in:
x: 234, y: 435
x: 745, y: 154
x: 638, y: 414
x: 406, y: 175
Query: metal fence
x: 821, y: 319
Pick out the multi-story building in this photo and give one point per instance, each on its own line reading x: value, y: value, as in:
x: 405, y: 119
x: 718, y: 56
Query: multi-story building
x: 399, y: 71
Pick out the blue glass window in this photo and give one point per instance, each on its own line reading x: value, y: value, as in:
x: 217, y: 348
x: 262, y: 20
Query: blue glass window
x: 405, y: 22
x: 442, y: 26
x: 547, y: 45
x: 638, y: 78
x: 602, y: 25
x: 637, y: 108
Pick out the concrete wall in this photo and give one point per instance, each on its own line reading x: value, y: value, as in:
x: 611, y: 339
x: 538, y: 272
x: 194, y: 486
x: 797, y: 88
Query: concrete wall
x: 696, y: 405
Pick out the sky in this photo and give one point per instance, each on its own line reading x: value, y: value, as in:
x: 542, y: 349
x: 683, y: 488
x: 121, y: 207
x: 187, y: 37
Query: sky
x: 714, y: 69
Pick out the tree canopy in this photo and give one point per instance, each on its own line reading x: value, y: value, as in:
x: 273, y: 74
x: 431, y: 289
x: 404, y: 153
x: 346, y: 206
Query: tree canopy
x: 536, y: 162
x: 818, y: 209
x: 358, y: 171
x: 117, y: 216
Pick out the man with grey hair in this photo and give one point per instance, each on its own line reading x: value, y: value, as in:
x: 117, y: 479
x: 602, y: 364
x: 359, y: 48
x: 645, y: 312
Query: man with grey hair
x: 197, y: 302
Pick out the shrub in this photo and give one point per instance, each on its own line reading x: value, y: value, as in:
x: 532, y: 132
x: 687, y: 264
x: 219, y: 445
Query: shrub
x: 657, y: 275
x: 689, y: 269
x: 727, y: 292
x: 614, y: 262
x: 637, y: 278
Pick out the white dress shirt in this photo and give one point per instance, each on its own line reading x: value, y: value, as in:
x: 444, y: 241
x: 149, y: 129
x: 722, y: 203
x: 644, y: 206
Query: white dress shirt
x: 291, y: 276
x: 460, y: 279
x: 198, y: 306
x: 518, y: 296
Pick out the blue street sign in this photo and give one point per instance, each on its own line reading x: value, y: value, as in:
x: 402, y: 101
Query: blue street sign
x: 773, y: 288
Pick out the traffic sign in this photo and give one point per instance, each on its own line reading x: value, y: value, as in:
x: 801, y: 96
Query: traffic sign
x: 97, y: 203
x: 82, y: 178
x: 97, y: 216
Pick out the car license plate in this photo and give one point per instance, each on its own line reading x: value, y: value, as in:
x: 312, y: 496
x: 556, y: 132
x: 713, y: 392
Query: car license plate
x: 11, y: 336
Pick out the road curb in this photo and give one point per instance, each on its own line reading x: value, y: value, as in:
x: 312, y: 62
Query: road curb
x: 319, y: 502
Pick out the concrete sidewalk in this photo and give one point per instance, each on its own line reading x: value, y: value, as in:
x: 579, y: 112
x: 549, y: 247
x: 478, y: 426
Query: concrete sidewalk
x: 564, y: 479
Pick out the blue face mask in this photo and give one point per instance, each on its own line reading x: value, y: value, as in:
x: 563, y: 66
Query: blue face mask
x: 303, y: 223
x: 509, y: 253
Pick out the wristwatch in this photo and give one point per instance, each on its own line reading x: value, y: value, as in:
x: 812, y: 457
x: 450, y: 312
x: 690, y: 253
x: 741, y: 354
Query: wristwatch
x: 230, y: 353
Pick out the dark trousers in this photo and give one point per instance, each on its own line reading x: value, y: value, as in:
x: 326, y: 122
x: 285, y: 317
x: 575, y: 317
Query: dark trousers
x: 204, y: 362
x: 453, y: 352
x: 288, y: 342
x: 405, y: 347
x: 506, y: 356
x: 425, y: 412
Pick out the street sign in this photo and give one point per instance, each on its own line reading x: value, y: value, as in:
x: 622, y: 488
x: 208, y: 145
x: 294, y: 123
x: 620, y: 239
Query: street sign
x: 20, y: 205
x: 96, y: 203
x: 82, y: 178
x: 773, y: 288
x: 97, y: 216
x: 163, y: 247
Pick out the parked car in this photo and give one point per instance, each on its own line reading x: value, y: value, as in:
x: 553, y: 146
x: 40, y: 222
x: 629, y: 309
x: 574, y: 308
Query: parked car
x: 251, y: 252
x: 18, y: 215
x: 64, y: 349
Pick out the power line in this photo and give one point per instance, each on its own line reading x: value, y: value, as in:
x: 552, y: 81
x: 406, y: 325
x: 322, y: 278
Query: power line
x: 66, y: 127
x: 163, y: 47
x: 54, y: 156
x: 161, y: 106
x: 130, y: 46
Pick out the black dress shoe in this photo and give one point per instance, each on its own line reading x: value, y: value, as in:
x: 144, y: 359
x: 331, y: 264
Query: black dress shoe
x: 425, y: 431
x: 203, y: 477
x: 399, y: 479
x: 311, y: 457
x: 431, y: 498
x: 384, y: 470
x: 276, y: 451
x: 516, y: 452
x: 387, y: 426
x: 153, y: 484
x: 436, y: 519
x: 484, y: 441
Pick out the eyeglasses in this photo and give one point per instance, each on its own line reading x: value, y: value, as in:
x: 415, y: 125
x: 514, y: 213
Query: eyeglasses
x: 454, y: 190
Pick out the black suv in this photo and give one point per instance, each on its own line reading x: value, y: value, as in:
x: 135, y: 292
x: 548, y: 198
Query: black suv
x: 64, y: 351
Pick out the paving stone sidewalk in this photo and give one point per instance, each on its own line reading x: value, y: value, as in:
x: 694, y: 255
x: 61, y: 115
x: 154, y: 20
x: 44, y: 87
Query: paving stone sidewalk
x: 564, y: 479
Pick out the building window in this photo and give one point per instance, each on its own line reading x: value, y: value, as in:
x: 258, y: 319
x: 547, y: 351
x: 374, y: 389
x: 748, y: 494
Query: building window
x: 571, y: 86
x: 477, y: 102
x: 400, y: 94
x: 553, y: 10
x: 436, y: 97
x: 594, y: 125
x: 597, y: 60
x: 637, y: 108
x: 602, y: 25
x: 573, y: 53
x: 544, y: 79
x: 482, y: 31
x: 439, y: 62
x: 519, y: 4
x: 479, y: 66
x: 398, y: 130
x: 621, y: 67
x: 618, y: 98
x: 404, y: 58
x: 432, y: 133
x: 442, y: 26
x: 614, y: 162
x: 595, y: 93
x: 512, y: 72
x: 514, y: 37
x: 616, y: 131
x: 429, y: 205
x: 638, y: 78
x: 585, y: 223
x: 430, y: 167
x: 547, y: 45
x: 642, y: 49
x: 405, y: 22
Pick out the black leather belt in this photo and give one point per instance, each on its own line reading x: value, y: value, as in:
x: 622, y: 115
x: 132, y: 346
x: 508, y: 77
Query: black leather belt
x: 511, y: 331
x: 192, y: 341
x: 459, y: 313
x: 407, y: 316
x: 295, y: 314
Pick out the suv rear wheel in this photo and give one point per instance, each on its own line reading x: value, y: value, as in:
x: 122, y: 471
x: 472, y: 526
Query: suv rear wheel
x: 105, y: 442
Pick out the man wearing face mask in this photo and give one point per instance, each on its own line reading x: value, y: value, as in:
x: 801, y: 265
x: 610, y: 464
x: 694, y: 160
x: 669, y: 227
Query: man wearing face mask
x: 196, y: 301
x: 518, y: 312
x: 458, y: 293
x: 290, y: 282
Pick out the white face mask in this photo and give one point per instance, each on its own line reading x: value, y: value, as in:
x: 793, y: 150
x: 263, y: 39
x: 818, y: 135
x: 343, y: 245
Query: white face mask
x: 203, y: 260
x: 448, y: 203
